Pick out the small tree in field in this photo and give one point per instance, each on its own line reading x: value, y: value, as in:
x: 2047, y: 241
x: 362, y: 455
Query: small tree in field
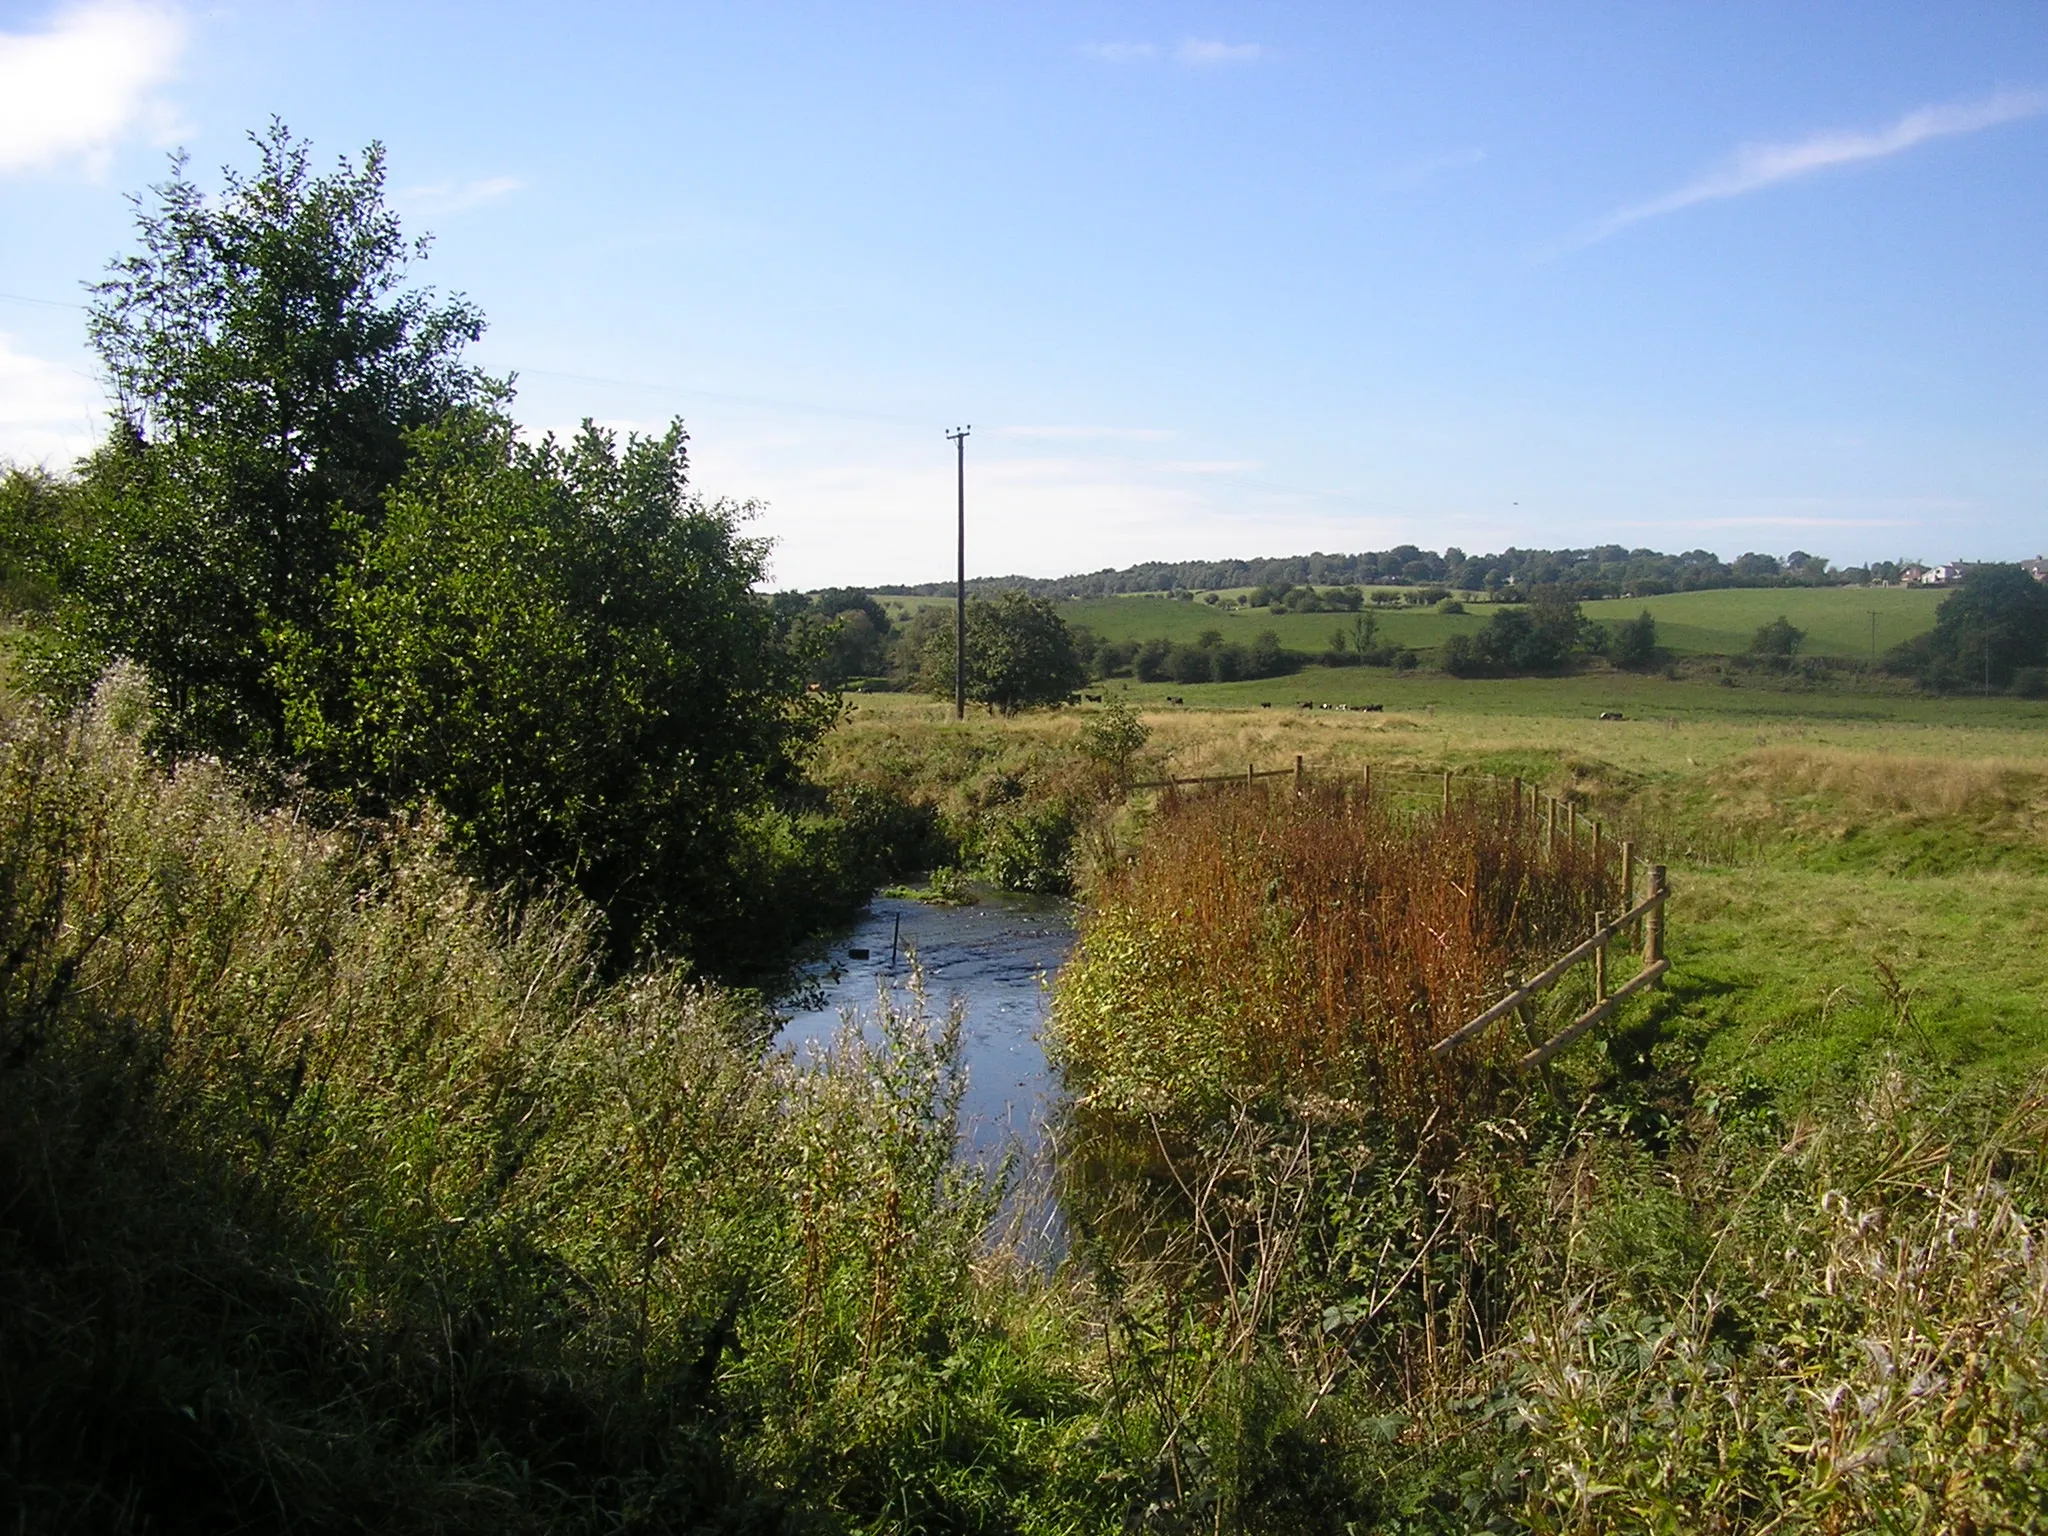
x: 1632, y: 644
x: 1019, y: 655
x: 1777, y: 641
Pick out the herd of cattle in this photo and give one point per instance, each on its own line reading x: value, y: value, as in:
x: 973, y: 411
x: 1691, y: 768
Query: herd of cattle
x: 1368, y: 709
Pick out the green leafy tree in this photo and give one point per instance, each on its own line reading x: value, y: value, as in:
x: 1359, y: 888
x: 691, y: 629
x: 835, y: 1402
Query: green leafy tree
x: 1632, y: 644
x: 1535, y: 636
x: 1990, y: 628
x: 1778, y: 640
x: 38, y: 515
x: 268, y: 360
x: 560, y: 647
x: 1019, y: 654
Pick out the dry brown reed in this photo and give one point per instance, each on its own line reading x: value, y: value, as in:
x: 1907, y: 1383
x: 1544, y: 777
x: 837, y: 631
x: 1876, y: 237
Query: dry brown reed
x: 1320, y: 941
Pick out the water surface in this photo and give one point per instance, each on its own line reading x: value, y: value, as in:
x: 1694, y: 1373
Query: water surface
x: 995, y: 957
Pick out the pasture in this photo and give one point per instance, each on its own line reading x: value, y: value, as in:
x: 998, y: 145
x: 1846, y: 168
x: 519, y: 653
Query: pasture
x: 1840, y: 622
x: 1814, y: 838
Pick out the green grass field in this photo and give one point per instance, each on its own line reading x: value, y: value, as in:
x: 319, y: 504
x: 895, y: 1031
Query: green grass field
x: 1837, y: 620
x: 1587, y: 695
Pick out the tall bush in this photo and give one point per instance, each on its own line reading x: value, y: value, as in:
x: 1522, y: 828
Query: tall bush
x: 559, y: 647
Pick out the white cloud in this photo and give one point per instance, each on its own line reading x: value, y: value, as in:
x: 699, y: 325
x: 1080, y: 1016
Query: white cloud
x: 453, y: 196
x: 49, y: 414
x: 1756, y: 166
x: 69, y: 92
x: 1207, y: 51
x: 1120, y: 53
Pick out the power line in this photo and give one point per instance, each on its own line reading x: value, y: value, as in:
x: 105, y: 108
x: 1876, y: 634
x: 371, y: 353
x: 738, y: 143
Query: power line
x: 22, y: 298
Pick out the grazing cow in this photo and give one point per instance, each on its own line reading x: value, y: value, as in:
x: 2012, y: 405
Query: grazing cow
x: 1175, y: 699
x: 1264, y: 705
x: 1306, y: 705
x: 1374, y: 709
x: 1612, y: 714
x: 1092, y: 698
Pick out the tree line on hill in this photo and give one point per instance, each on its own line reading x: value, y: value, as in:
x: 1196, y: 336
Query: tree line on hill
x: 1607, y: 570
x: 1992, y: 631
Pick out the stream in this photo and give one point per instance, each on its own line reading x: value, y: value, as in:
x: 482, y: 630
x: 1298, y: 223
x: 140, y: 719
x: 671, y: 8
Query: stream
x: 995, y: 957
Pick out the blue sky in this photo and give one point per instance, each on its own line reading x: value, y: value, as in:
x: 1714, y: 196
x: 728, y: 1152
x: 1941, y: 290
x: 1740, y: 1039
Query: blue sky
x: 1207, y: 280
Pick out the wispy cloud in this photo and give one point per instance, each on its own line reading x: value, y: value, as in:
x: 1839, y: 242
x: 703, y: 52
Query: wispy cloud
x: 1121, y: 53
x: 1192, y: 52
x: 70, y: 91
x: 1764, y: 164
x: 1207, y: 52
x: 1089, y: 434
x: 456, y: 196
x: 1756, y: 166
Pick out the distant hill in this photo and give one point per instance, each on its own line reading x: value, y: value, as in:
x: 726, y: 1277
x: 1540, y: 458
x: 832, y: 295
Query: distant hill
x: 1606, y: 571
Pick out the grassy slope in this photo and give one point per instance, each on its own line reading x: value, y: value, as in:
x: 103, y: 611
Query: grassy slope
x: 1836, y: 619
x: 1690, y: 623
x: 1810, y: 835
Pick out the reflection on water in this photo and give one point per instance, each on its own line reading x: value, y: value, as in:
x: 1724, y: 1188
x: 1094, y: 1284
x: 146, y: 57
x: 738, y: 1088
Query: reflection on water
x: 995, y: 958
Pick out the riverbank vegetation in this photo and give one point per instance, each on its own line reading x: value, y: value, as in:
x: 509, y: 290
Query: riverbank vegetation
x: 343, y: 1192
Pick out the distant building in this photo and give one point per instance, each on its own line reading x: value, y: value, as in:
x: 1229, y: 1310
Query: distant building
x: 1944, y: 575
x: 2036, y: 567
x: 1912, y: 575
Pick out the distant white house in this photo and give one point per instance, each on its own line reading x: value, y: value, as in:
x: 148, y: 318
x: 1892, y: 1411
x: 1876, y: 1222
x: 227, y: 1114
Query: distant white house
x: 2036, y: 567
x: 1943, y: 575
x: 1912, y: 575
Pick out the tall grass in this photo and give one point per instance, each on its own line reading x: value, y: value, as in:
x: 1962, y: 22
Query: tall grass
x: 1319, y: 942
x: 335, y: 1195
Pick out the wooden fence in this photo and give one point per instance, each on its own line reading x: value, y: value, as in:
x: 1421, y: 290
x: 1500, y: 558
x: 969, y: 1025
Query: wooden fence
x: 1649, y: 912
x: 1560, y: 819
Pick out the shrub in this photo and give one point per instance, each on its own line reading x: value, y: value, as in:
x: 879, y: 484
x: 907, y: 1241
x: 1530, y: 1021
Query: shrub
x: 1317, y: 943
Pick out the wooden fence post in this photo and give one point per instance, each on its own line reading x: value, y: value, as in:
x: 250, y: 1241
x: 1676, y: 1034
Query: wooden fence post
x: 1250, y: 776
x: 1368, y: 783
x: 1628, y: 874
x: 1571, y: 822
x: 1447, y: 791
x: 1600, y: 961
x: 1549, y: 821
x: 1653, y: 920
x: 1596, y: 850
x: 1298, y: 776
x: 1516, y: 789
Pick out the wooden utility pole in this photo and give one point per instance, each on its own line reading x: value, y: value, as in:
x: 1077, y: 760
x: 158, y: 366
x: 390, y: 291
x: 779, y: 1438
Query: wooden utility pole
x: 958, y: 438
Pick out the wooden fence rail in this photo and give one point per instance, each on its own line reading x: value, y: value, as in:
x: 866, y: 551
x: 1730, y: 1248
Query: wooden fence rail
x: 1649, y: 911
